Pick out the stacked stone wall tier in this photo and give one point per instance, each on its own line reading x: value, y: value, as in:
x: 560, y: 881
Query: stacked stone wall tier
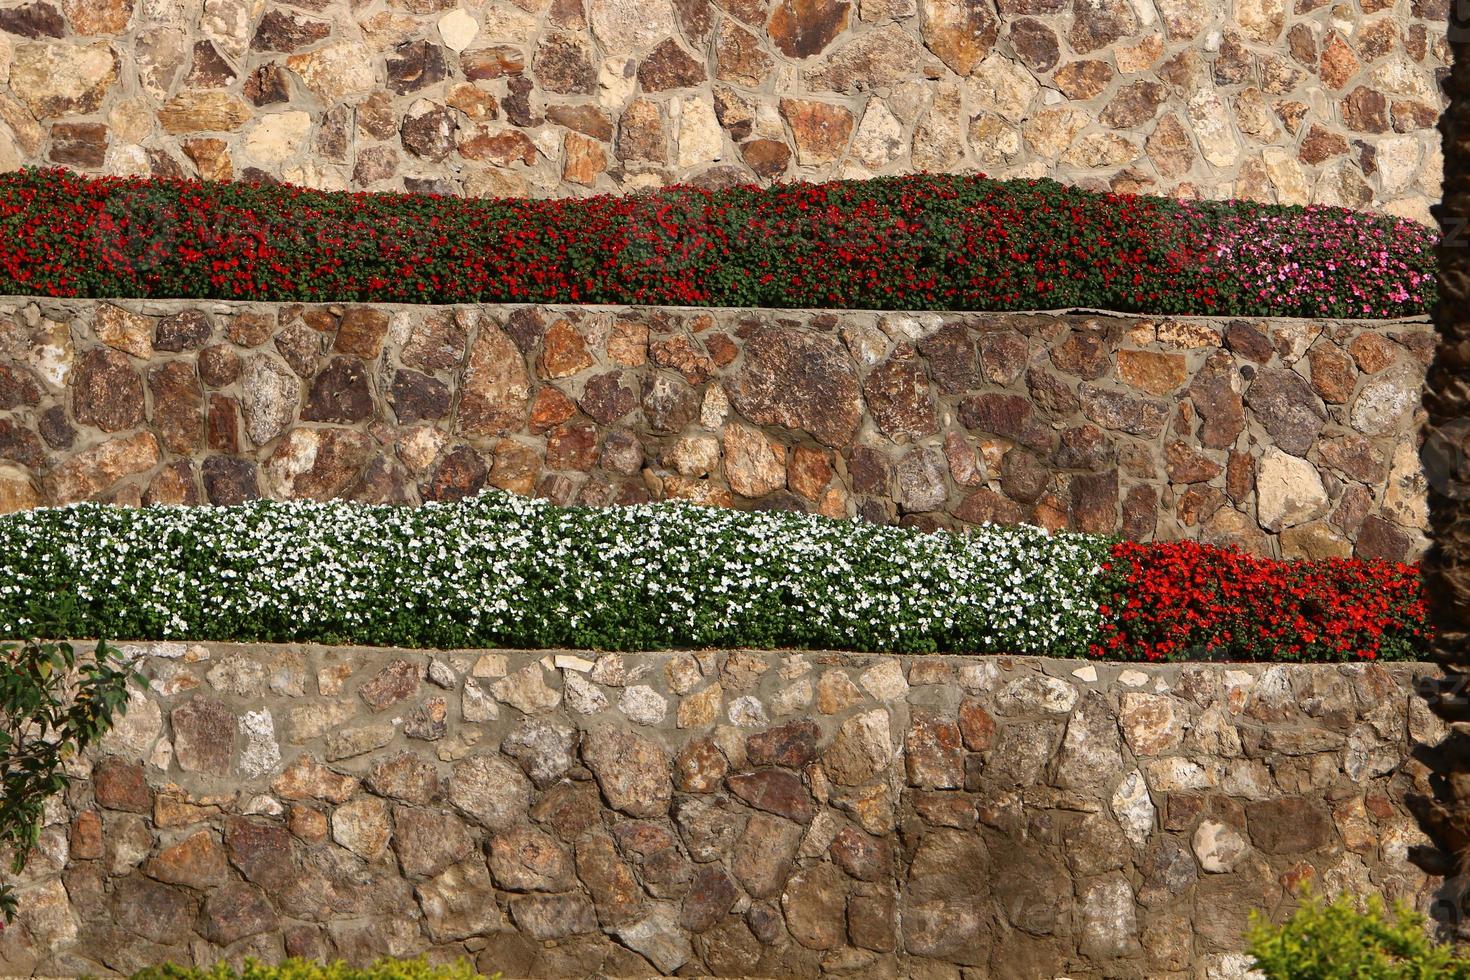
x: 1287, y: 437
x: 738, y: 813
x: 1306, y: 102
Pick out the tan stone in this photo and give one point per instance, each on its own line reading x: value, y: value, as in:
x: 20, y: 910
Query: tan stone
x: 700, y: 138
x: 336, y: 71
x: 1288, y: 491
x: 277, y: 138
x: 1051, y: 131
x: 755, y: 465
x: 583, y: 159
x: 88, y: 473
x: 17, y: 490
x: 63, y: 79
x: 124, y: 330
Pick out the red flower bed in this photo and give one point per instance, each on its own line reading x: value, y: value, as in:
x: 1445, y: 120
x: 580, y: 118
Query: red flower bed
x: 959, y: 242
x: 1187, y: 601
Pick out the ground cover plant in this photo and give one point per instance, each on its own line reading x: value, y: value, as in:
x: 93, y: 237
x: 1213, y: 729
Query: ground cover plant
x: 1341, y: 940
x: 950, y: 242
x: 297, y: 968
x: 505, y: 571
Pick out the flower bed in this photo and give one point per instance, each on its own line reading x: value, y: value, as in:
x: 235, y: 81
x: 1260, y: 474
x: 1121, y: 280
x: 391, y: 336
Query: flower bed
x: 499, y: 570
x: 948, y: 242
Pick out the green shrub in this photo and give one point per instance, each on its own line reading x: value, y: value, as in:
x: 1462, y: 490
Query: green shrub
x: 299, y: 969
x: 52, y: 708
x: 1338, y: 941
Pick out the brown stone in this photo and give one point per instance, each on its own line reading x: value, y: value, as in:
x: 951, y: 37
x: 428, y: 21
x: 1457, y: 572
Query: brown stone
x: 1285, y: 404
x: 802, y: 28
x: 119, y: 785
x: 1320, y: 145
x: 1216, y: 397
x: 229, y: 480
x: 798, y: 380
x: 792, y: 745
x: 178, y: 407
x: 763, y: 854
x: 1035, y: 44
x: 484, y: 64
x: 495, y: 391
x: 341, y: 392
x: 1377, y: 538
x: 583, y: 159
x: 428, y: 131
x: 33, y: 20
x: 1188, y: 465
x: 1134, y: 105
x: 898, y: 396
x: 203, y: 111
x: 632, y: 771
x: 1098, y: 23
x: 641, y: 133
x: 106, y: 391
x: 585, y: 119
x: 1365, y: 111
x: 1081, y: 80
x: 1339, y: 63
x: 959, y: 32
x: 1095, y: 502
x: 79, y: 144
x: 820, y: 130
x: 699, y: 767
x: 157, y: 912
x: 415, y: 65
x: 563, y: 65
x: 934, y: 753
x: 197, y: 861
x: 395, y: 683
x: 417, y: 397
x: 1155, y: 373
x: 204, y: 736
x: 615, y: 891
x: 286, y: 32
x: 814, y: 902
x: 669, y: 66
x: 711, y: 896
x: 775, y: 791
x: 768, y: 158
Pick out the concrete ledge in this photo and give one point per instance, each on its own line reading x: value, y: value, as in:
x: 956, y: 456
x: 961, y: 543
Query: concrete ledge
x: 736, y: 813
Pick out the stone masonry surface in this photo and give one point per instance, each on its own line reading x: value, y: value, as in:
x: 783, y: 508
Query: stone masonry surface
x: 1296, y: 102
x: 1288, y: 437
x: 738, y: 813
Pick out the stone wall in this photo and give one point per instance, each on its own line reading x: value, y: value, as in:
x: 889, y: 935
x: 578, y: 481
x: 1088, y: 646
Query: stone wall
x: 1292, y: 437
x: 739, y: 814
x: 1294, y: 102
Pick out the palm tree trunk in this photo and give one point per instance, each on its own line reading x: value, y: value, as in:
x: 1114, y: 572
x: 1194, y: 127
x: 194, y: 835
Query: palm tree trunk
x: 1446, y: 458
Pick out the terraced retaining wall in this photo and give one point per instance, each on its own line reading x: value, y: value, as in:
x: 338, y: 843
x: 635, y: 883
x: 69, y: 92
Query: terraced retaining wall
x: 1292, y: 102
x: 1293, y: 437
x: 736, y: 813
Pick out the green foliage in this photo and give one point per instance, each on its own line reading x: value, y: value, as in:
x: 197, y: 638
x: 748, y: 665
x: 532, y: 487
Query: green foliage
x: 299, y: 969
x: 1340, y: 941
x: 51, y: 709
x: 504, y: 571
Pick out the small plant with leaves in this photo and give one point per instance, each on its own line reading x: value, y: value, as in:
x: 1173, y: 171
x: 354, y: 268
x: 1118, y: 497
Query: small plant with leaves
x: 53, y: 706
x: 1341, y: 940
x: 300, y: 969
